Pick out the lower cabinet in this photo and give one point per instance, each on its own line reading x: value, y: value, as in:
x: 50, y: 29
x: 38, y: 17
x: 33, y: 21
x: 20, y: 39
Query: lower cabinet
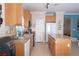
x: 19, y: 47
x: 24, y: 48
x: 51, y: 44
x: 59, y: 46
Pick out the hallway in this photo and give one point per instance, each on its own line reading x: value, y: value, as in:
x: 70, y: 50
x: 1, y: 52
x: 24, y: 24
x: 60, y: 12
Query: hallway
x: 41, y: 49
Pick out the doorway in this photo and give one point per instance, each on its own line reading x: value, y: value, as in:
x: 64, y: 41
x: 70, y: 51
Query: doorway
x: 67, y: 26
x: 39, y: 27
x: 50, y: 28
x: 39, y: 31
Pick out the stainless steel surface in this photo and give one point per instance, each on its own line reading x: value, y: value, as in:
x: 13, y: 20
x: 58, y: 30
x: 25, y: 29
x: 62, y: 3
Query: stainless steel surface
x: 8, y: 40
x: 4, y: 39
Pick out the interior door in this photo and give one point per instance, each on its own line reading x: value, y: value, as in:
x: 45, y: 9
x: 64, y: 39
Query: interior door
x: 40, y: 30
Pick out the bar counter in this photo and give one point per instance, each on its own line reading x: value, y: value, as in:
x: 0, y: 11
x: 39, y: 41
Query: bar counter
x: 59, y: 45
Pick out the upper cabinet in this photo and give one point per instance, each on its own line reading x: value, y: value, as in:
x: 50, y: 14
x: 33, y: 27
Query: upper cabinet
x: 13, y: 14
x: 50, y: 18
x: 27, y: 17
x: 19, y: 11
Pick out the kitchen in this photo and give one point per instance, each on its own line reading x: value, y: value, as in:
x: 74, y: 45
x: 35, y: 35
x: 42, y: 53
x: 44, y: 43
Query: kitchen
x: 26, y: 30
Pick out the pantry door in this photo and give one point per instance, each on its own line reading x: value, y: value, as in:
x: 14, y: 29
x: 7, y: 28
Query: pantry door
x: 40, y: 30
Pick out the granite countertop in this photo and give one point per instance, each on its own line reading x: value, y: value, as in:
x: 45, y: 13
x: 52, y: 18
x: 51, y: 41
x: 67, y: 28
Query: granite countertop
x: 24, y: 38
x: 59, y: 36
x: 11, y: 37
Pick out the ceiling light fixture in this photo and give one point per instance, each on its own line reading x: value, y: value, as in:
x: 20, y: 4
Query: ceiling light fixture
x: 53, y: 4
x: 47, y: 5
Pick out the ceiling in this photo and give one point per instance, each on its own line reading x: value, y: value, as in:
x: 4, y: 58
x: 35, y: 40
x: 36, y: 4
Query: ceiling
x: 35, y: 6
x: 52, y: 7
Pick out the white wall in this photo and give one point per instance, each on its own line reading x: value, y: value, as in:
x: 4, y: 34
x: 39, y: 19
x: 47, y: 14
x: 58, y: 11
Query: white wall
x: 38, y: 25
x: 59, y: 22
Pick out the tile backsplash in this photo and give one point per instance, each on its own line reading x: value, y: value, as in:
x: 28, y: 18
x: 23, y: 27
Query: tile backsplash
x: 4, y: 30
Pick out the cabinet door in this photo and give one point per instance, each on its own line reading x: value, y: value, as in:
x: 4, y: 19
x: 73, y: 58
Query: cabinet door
x: 27, y: 17
x: 66, y: 47
x: 13, y: 13
x: 51, y: 42
x: 20, y: 48
x: 51, y: 19
x: 19, y: 14
x: 63, y: 47
x: 9, y: 14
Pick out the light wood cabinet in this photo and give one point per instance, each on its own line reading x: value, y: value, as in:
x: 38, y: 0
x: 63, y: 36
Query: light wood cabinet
x: 19, y: 11
x: 27, y: 17
x: 50, y: 19
x: 51, y: 44
x: 19, y: 48
x: 24, y: 47
x: 13, y: 13
x: 59, y: 46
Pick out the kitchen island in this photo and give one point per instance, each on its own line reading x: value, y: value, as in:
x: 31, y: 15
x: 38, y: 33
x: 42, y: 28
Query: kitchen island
x: 59, y: 45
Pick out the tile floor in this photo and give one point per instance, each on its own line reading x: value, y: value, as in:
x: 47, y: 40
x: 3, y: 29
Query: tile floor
x: 41, y: 49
